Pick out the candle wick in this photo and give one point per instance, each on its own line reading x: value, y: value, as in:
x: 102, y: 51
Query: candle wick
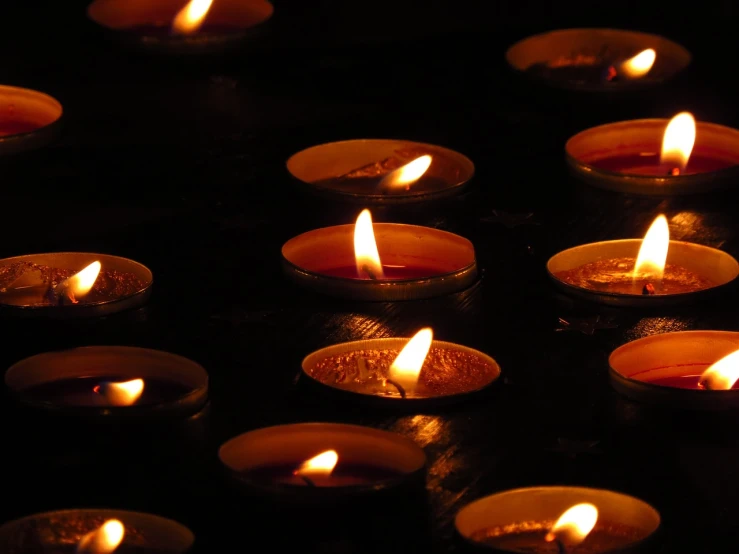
x: 648, y: 289
x: 369, y: 272
x: 308, y: 481
x: 674, y: 171
x: 551, y: 537
x: 401, y: 390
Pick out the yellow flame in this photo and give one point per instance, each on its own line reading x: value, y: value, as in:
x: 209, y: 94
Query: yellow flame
x: 79, y: 284
x: 191, y: 17
x: 103, y: 540
x: 365, y: 247
x: 408, y: 174
x: 574, y: 525
x: 639, y: 65
x: 678, y: 141
x: 319, y: 466
x: 653, y: 252
x: 121, y: 394
x: 407, y: 366
x: 723, y: 374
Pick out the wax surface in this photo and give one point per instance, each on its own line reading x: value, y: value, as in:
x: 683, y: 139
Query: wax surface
x: 391, y: 273
x: 371, y: 185
x: 649, y: 164
x: 79, y: 391
x: 13, y: 127
x: 122, y: 549
x: 164, y: 30
x: 590, y: 73
x: 615, y: 276
x: 343, y: 475
x: 682, y: 382
x: 529, y: 538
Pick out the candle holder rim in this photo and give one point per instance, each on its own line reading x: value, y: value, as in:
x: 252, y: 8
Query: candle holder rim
x: 56, y: 103
x: 426, y: 401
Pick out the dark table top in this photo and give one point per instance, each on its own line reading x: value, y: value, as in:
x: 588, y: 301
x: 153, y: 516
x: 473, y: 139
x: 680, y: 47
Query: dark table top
x: 180, y: 165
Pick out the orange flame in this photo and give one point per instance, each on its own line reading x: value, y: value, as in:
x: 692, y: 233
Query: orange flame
x: 678, y: 141
x: 574, y: 525
x: 191, y: 17
x: 365, y: 247
x: 650, y: 264
x: 408, y: 174
x: 79, y: 284
x: 103, y: 540
x: 723, y: 374
x: 406, y: 368
x: 639, y: 65
x: 121, y: 394
x: 319, y: 466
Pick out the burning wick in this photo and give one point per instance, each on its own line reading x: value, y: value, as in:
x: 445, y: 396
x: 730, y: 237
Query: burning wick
x: 103, y: 540
x: 721, y: 375
x: 677, y: 143
x: 650, y: 263
x: 371, y: 274
x: 365, y: 248
x: 573, y: 526
x: 76, y: 286
x: 648, y: 290
x: 406, y: 368
x: 318, y: 466
x: 633, y: 68
x: 405, y: 176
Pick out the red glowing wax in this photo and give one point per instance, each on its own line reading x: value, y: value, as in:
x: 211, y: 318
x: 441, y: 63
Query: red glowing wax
x: 165, y: 30
x: 16, y: 127
x: 344, y: 475
x: 689, y: 382
x: 649, y: 164
x: 391, y: 273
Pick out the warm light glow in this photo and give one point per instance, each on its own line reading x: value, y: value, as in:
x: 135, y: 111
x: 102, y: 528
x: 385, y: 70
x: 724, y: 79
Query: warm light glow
x: 408, y: 174
x: 574, y: 525
x: 365, y: 247
x: 104, y: 540
x: 407, y: 366
x: 319, y: 466
x: 639, y: 65
x: 121, y: 394
x: 650, y: 264
x: 723, y: 374
x: 678, y: 141
x: 79, y: 284
x: 191, y: 17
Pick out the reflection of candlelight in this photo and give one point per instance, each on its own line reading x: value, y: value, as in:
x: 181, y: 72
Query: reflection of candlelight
x: 320, y: 466
x: 191, y: 17
x: 406, y: 368
x: 77, y: 286
x: 573, y: 526
x: 103, y: 540
x: 723, y: 374
x: 121, y: 394
x: 405, y: 176
x: 365, y: 247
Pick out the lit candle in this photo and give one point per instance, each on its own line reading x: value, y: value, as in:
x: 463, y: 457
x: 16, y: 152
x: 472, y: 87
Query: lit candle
x: 381, y: 171
x: 28, y: 119
x: 45, y: 285
x: 557, y: 520
x: 380, y: 262
x: 417, y: 371
x: 655, y: 156
x: 640, y: 272
x: 103, y: 540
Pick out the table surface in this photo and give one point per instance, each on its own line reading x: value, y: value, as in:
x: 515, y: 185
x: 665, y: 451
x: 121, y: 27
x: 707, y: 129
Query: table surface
x: 181, y: 165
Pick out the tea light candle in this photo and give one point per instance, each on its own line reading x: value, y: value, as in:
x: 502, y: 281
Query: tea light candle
x: 28, y: 119
x: 419, y: 371
x: 384, y: 262
x: 110, y: 382
x: 319, y: 461
x: 520, y: 520
x: 381, y: 171
x: 598, y: 60
x: 95, y: 531
x: 656, y: 156
x: 655, y: 271
x: 672, y: 369
x: 71, y: 284
x: 181, y: 27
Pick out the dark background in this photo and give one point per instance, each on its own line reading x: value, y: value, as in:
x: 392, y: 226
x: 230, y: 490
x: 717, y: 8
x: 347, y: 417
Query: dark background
x: 179, y: 164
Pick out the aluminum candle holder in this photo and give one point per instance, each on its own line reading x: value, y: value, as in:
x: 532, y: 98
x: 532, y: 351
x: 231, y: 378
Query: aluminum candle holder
x: 28, y: 119
x: 353, y: 171
x: 73, y: 383
x: 717, y: 267
x: 62, y: 530
x: 643, y: 369
x: 436, y: 262
x: 578, y: 59
x: 145, y: 25
x: 608, y: 157
x: 122, y: 284
x: 366, y: 462
x: 518, y: 520
x: 452, y: 373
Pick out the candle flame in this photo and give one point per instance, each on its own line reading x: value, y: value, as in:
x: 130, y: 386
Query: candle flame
x: 191, y: 17
x: 723, y: 374
x: 574, y: 525
x: 650, y: 263
x: 121, y: 394
x: 407, y: 366
x: 103, y: 540
x: 365, y: 247
x: 639, y: 65
x: 79, y: 284
x: 678, y: 141
x: 408, y: 174
x: 319, y: 466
